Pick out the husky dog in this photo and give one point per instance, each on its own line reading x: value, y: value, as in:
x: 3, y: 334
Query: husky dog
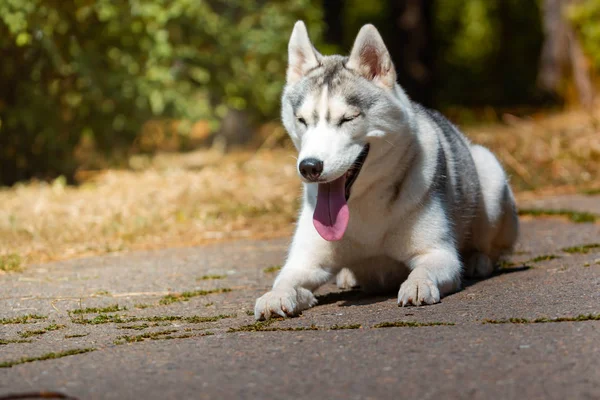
x: 394, y: 195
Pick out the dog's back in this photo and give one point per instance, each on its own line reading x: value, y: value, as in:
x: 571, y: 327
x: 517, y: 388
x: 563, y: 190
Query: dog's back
x: 461, y: 189
x: 479, y: 199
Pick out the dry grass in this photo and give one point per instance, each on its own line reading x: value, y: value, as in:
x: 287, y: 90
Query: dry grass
x: 201, y: 197
x: 218, y: 198
x: 547, y: 152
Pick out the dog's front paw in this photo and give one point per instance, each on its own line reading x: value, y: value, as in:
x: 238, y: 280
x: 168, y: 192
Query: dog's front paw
x: 346, y: 280
x: 418, y: 291
x: 283, y: 302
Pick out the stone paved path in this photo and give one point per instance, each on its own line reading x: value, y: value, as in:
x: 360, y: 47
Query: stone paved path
x: 175, y: 324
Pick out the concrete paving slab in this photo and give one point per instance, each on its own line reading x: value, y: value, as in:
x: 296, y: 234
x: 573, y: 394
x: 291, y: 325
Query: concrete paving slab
x: 170, y: 335
x: 553, y: 361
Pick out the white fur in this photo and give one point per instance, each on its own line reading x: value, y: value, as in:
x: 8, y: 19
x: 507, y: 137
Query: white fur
x: 384, y: 242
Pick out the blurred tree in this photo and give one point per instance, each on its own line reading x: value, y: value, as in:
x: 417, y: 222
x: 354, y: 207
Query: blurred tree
x: 333, y: 11
x: 86, y: 72
x: 488, y: 52
x: 451, y: 52
x: 412, y: 46
x: 407, y: 29
x: 562, y: 55
x: 585, y: 18
x: 585, y: 15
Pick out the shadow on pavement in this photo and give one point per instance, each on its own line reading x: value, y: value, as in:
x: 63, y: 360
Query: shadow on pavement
x: 500, y: 271
x: 359, y: 298
x: 353, y: 298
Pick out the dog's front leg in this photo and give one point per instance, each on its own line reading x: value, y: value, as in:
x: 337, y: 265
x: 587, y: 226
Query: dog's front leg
x: 434, y: 274
x: 309, y: 265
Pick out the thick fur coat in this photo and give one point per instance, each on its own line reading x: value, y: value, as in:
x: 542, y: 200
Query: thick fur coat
x: 422, y: 206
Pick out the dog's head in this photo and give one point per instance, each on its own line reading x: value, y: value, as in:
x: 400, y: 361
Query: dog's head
x: 336, y: 109
x: 333, y: 106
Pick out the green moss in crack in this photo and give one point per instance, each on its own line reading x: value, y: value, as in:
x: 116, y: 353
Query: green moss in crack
x: 195, y: 319
x: 211, y: 277
x: 104, y: 319
x: 11, y: 263
x: 265, y: 326
x: 148, y: 335
x: 118, y: 319
x: 9, y: 341
x: 583, y: 249
x: 139, y: 327
x: 185, y: 296
x: 339, y: 327
x: 270, y: 270
x: 505, y: 264
x: 574, y: 216
x: 507, y: 321
x: 543, y: 320
x: 76, y: 335
x: 28, y: 334
x: 47, y: 356
x: 255, y: 327
x: 546, y: 257
x: 49, y: 328
x: 142, y: 306
x: 23, y: 319
x: 98, y: 310
x: 410, y: 324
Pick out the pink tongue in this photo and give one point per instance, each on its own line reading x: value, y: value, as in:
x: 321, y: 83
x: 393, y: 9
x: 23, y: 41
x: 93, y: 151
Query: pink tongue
x: 331, y: 213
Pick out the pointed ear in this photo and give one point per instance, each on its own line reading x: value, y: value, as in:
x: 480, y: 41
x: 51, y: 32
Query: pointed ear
x: 371, y: 59
x: 302, y: 56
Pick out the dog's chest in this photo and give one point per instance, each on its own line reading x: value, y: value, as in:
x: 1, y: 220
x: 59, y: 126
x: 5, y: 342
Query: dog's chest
x: 369, y: 223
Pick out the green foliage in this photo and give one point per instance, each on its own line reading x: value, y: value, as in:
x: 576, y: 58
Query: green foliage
x: 10, y: 263
x: 487, y: 51
x: 585, y: 15
x: 90, y: 73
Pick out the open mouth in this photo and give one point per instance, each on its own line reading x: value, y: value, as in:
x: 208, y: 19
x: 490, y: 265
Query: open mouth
x: 353, y: 172
x: 332, y: 214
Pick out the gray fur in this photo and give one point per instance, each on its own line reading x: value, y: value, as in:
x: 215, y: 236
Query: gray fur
x: 462, y: 194
x: 427, y: 205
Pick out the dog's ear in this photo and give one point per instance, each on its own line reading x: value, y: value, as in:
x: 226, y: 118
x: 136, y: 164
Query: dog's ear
x: 371, y: 59
x: 302, y: 56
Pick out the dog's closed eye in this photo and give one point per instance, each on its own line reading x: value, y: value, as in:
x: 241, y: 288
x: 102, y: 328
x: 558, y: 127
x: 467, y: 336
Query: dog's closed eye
x: 348, y: 118
x: 301, y: 120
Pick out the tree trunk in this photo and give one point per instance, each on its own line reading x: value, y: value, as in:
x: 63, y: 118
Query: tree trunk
x: 412, y: 48
x: 334, y: 21
x: 554, y: 55
x: 562, y: 55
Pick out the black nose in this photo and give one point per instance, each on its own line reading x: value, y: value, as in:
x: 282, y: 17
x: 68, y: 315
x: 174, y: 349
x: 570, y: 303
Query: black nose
x: 311, y: 168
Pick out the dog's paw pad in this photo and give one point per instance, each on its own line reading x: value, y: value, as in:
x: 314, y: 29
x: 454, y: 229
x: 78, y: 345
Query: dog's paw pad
x: 276, y: 302
x: 418, y: 292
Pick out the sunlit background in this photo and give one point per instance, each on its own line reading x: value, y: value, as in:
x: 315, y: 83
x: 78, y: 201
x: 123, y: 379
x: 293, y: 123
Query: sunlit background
x: 131, y: 124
